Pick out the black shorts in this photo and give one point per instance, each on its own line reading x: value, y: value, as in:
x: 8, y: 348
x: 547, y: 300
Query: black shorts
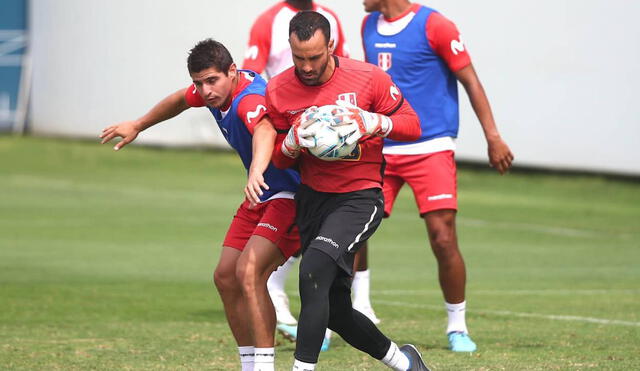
x: 337, y: 223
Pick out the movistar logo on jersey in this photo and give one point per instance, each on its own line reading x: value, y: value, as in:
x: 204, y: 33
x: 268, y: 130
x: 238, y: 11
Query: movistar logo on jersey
x: 253, y: 114
x: 457, y: 46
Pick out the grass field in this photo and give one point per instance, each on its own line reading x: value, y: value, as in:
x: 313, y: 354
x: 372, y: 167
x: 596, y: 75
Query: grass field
x: 106, y: 262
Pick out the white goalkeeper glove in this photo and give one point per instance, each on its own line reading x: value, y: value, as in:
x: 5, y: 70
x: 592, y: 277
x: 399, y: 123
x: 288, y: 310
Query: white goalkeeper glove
x: 354, y: 122
x: 300, y: 135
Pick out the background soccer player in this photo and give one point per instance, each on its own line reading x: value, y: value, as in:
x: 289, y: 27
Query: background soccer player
x: 269, y: 51
x: 339, y: 203
x: 425, y: 55
x: 262, y: 234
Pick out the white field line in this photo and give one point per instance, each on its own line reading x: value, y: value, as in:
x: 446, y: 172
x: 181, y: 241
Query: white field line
x: 560, y: 292
x: 507, y: 313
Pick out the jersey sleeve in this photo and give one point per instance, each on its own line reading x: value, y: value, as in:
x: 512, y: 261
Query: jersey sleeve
x: 389, y: 101
x: 387, y: 96
x: 193, y: 98
x: 282, y: 127
x: 445, y: 39
x: 257, y: 53
x: 251, y: 109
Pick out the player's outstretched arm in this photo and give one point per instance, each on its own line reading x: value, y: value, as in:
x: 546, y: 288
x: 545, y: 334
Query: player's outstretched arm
x: 167, y: 108
x: 263, y: 142
x: 500, y: 156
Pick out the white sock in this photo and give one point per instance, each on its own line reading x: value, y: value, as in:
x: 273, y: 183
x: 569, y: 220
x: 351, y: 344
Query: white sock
x: 395, y: 359
x: 456, y: 314
x: 276, y: 281
x: 265, y: 358
x: 327, y: 334
x: 360, y: 287
x: 303, y: 366
x: 246, y: 357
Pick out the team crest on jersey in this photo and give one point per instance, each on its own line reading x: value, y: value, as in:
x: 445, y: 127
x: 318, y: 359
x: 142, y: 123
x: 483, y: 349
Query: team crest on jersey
x: 384, y: 60
x: 349, y: 98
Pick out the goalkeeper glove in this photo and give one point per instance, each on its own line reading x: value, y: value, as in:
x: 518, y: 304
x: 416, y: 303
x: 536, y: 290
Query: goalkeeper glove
x: 354, y: 122
x: 300, y: 135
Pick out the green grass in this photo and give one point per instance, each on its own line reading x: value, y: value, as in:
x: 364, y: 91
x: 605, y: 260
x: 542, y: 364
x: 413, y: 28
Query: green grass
x: 106, y: 262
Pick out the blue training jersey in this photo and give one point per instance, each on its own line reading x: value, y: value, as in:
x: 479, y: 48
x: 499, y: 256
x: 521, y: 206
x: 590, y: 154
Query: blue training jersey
x: 422, y: 75
x: 240, y: 138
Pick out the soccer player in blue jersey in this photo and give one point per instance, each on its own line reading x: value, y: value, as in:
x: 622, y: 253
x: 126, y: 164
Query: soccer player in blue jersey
x: 262, y: 234
x: 426, y: 57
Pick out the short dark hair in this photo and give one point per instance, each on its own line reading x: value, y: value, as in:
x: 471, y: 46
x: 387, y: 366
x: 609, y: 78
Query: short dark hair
x: 209, y: 53
x: 306, y: 23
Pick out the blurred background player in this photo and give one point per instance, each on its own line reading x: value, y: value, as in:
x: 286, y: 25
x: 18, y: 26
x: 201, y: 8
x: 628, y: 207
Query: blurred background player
x: 339, y: 203
x: 426, y: 57
x: 262, y: 234
x: 269, y: 52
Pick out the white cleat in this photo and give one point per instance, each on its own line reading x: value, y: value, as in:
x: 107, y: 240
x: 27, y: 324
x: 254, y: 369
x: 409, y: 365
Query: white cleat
x: 367, y: 311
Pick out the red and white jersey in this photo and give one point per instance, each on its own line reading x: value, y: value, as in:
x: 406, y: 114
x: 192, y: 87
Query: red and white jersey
x: 359, y: 83
x: 269, y: 49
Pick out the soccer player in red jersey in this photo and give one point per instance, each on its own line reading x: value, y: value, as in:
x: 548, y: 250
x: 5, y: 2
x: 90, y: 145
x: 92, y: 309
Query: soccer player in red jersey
x: 425, y: 55
x: 262, y: 234
x: 339, y: 203
x: 268, y: 50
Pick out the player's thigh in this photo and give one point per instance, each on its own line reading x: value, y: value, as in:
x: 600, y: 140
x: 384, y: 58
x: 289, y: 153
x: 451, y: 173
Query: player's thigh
x: 391, y: 185
x: 432, y: 178
x: 259, y: 258
x: 278, y: 225
x: 242, y: 226
x: 354, y: 220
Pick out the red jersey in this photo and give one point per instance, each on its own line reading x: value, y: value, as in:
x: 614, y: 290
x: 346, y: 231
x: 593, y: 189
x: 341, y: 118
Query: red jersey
x: 359, y: 83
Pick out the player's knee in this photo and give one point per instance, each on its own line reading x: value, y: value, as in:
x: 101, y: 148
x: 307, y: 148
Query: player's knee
x: 224, y: 278
x: 444, y: 243
x: 316, y: 273
x: 247, y: 276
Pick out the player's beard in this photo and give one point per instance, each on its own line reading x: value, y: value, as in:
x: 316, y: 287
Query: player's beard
x: 314, y: 78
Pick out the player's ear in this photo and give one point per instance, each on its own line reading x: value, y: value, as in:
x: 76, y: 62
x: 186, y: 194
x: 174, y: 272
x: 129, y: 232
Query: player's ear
x: 233, y: 71
x: 331, y: 46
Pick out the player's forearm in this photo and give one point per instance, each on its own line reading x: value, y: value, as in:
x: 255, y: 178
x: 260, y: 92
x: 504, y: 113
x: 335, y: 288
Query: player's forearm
x: 264, y: 137
x: 167, y: 108
x: 406, y: 124
x: 279, y: 159
x: 479, y: 101
x: 482, y: 109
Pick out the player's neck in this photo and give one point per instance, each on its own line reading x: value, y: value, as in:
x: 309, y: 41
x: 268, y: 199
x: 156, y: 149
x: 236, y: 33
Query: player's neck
x: 329, y: 71
x: 394, y: 9
x: 301, y: 4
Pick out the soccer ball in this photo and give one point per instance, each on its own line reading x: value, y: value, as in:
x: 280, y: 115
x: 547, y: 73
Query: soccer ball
x: 329, y: 146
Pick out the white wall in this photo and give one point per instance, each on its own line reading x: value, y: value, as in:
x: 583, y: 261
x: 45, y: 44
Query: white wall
x: 559, y: 74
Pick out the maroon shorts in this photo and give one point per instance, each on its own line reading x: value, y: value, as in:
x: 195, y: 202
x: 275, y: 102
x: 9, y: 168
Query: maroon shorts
x: 432, y: 177
x: 273, y: 220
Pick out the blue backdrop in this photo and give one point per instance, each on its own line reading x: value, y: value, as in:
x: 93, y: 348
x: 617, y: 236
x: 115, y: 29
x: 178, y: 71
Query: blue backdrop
x: 13, y: 40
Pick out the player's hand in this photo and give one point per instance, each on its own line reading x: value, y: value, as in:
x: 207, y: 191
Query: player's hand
x: 127, y: 130
x: 254, y: 188
x: 300, y: 136
x: 354, y: 122
x: 500, y: 156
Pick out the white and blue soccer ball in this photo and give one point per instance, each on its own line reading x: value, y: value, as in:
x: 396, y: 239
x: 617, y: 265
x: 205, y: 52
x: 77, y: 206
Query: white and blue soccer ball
x: 329, y: 145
